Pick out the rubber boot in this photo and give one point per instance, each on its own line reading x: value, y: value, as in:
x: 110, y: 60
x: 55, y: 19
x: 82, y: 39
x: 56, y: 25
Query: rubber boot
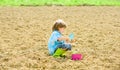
x: 59, y: 52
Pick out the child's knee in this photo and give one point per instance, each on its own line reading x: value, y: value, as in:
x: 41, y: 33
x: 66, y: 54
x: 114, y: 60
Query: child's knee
x: 68, y: 46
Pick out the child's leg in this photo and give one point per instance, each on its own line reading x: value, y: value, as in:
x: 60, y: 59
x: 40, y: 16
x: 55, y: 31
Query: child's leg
x: 61, y: 49
x: 67, y: 46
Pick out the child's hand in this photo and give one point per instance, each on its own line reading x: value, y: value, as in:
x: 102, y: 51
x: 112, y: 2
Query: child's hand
x: 67, y: 39
x: 64, y: 38
x: 73, y: 40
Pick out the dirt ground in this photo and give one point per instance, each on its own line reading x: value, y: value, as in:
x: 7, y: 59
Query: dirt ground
x: 24, y: 33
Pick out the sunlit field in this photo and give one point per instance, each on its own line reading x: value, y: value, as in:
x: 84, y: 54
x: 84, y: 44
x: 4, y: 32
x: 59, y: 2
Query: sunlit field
x: 24, y: 33
x: 26, y: 25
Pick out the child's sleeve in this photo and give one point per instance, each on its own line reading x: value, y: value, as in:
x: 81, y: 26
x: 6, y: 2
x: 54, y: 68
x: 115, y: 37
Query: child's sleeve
x: 55, y: 37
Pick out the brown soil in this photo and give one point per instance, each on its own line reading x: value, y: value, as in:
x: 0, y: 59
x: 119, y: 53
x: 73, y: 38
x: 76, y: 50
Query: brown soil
x: 24, y: 33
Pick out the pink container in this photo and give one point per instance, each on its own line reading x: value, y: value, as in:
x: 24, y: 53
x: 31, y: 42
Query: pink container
x: 76, y: 57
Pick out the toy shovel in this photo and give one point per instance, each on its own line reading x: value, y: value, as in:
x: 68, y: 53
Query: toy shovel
x: 71, y: 36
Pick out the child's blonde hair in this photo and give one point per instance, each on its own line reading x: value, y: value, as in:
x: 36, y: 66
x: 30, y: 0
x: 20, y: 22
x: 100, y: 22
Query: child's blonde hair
x: 58, y: 24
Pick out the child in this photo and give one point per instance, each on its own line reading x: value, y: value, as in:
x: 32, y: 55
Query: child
x: 57, y: 43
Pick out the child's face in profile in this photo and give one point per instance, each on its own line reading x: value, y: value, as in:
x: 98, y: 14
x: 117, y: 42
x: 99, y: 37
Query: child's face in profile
x: 61, y: 30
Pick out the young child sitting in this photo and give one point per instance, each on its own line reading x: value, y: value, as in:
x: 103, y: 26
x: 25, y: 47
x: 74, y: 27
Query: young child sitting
x: 58, y: 44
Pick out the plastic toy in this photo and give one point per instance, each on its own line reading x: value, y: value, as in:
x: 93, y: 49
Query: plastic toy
x: 76, y: 57
x: 71, y: 36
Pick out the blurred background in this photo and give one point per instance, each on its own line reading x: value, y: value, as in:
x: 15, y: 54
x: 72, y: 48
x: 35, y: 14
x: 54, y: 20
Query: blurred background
x: 59, y: 2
